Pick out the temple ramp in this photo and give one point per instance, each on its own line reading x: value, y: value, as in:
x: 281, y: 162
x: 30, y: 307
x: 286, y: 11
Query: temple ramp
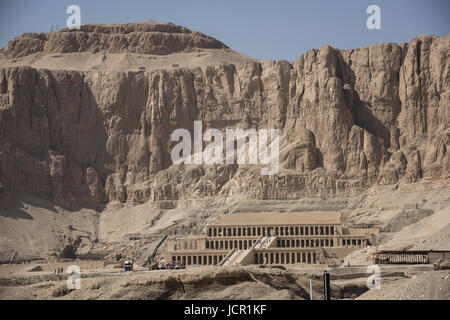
x: 228, y: 258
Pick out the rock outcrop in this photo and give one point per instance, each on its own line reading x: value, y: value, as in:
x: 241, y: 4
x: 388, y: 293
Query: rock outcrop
x: 146, y: 37
x: 350, y: 119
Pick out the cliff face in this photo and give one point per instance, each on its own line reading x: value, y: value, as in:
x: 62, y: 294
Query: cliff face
x: 350, y: 120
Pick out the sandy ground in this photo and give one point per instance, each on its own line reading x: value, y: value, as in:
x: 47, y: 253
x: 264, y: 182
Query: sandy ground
x: 85, y: 61
x: 425, y: 286
x: 200, y: 283
x: 226, y: 283
x: 35, y: 228
x: 432, y: 231
x: 26, y: 269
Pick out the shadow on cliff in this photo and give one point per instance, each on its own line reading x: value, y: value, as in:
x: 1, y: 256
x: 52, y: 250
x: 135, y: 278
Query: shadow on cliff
x: 16, y: 209
x: 15, y: 213
x: 362, y: 111
x: 364, y: 118
x: 78, y: 141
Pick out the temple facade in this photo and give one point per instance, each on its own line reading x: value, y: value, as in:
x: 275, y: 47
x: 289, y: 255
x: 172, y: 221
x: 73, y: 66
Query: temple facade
x: 282, y: 238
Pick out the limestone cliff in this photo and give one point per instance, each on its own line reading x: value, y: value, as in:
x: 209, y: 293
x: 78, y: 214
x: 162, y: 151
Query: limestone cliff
x: 350, y: 119
x: 147, y: 37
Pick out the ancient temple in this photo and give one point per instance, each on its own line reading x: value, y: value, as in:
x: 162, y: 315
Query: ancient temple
x: 270, y: 238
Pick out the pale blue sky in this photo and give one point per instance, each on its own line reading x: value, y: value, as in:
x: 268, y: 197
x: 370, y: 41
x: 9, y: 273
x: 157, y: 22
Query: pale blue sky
x: 262, y: 29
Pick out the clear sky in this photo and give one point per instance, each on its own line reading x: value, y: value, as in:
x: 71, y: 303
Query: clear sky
x: 262, y: 29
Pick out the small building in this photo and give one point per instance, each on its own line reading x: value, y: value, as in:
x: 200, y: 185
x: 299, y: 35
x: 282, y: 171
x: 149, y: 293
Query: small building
x: 409, y: 256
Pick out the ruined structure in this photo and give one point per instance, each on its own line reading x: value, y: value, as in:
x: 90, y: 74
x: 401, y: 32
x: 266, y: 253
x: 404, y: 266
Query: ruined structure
x: 283, y: 238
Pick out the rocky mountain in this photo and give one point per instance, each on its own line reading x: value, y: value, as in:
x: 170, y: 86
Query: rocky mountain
x: 147, y: 37
x: 351, y: 121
